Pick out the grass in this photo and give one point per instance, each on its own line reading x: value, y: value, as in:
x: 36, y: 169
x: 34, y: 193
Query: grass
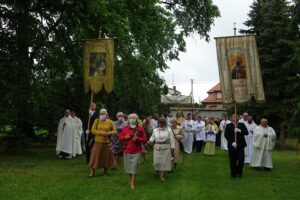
x: 38, y: 174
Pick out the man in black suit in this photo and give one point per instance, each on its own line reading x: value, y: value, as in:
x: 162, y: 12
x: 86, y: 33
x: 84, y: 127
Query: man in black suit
x: 235, y: 136
x: 88, y: 134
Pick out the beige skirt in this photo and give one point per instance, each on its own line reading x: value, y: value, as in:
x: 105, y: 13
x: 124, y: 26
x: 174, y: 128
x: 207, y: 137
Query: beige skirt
x: 210, y: 148
x: 131, y: 162
x: 162, y: 158
x: 101, y: 156
x: 177, y: 153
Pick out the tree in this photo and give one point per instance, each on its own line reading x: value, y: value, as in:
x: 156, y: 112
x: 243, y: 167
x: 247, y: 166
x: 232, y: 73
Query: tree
x: 41, y: 53
x: 274, y: 24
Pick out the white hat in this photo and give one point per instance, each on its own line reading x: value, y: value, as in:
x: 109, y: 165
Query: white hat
x: 133, y: 116
x: 103, y: 110
x: 120, y: 113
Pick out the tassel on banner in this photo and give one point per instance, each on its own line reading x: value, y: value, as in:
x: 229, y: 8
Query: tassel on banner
x: 98, y: 65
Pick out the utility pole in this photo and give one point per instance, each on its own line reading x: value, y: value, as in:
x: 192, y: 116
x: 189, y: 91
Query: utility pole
x: 173, y: 79
x: 192, y: 99
x: 234, y: 28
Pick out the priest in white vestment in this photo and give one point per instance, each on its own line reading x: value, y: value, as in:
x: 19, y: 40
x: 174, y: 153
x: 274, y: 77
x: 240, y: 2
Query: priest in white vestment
x: 77, y: 150
x: 65, y: 136
x: 250, y: 125
x: 244, y: 118
x: 222, y: 126
x: 200, y: 136
x: 263, y: 142
x: 188, y: 127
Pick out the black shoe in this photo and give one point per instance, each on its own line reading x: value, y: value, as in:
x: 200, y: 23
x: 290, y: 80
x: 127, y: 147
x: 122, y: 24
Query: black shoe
x: 267, y: 169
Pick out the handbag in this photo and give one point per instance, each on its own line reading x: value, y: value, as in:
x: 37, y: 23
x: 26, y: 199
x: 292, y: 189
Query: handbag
x: 181, y: 147
x: 91, y: 141
x: 91, y: 138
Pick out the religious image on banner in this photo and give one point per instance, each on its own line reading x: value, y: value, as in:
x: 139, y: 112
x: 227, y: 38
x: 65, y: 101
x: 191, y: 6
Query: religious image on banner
x: 238, y: 74
x: 239, y: 69
x: 98, y: 65
x: 237, y: 66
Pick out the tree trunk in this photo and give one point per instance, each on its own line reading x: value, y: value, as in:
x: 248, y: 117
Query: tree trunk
x: 23, y: 69
x: 282, y: 136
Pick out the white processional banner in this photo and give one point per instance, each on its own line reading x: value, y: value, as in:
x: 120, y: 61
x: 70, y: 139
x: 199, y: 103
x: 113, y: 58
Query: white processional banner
x: 239, y: 69
x: 175, y: 99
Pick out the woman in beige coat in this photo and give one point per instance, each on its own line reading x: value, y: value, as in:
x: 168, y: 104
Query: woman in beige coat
x: 163, y: 149
x: 178, y: 135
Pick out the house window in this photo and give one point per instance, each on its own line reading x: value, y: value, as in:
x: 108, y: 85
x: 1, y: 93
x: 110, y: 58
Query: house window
x: 213, y: 106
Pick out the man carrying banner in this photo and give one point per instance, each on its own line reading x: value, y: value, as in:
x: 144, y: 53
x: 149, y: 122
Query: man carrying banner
x: 88, y: 136
x: 241, y: 81
x: 234, y: 134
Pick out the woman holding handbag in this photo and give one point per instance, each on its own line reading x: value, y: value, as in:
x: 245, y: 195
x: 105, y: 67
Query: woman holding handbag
x: 133, y: 137
x: 164, y: 145
x: 101, y: 155
x: 178, y: 135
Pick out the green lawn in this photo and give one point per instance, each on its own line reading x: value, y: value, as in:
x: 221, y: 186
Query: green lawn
x: 38, y: 174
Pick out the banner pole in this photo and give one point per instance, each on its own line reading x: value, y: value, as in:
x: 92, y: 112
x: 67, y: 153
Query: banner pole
x: 235, y: 106
x: 235, y: 123
x: 89, y: 118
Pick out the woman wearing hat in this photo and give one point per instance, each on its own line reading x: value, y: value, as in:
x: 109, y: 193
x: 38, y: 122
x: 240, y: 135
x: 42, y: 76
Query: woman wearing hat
x: 164, y: 145
x: 133, y: 137
x: 120, y: 123
x: 101, y: 155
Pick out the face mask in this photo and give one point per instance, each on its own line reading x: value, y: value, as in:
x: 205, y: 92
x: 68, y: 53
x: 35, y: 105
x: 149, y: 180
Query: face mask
x: 249, y: 121
x: 132, y: 121
x: 120, y: 119
x: 102, y: 117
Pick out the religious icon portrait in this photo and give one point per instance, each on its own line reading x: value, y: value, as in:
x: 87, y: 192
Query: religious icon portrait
x: 238, y: 67
x: 97, y: 64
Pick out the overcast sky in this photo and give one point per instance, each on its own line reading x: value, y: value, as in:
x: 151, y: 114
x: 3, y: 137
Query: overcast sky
x: 199, y: 62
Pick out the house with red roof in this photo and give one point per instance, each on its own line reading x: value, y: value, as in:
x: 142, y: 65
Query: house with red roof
x: 214, y: 99
x: 213, y: 104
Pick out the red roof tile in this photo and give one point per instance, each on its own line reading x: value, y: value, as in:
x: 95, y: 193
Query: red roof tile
x: 216, y: 88
x: 212, y: 99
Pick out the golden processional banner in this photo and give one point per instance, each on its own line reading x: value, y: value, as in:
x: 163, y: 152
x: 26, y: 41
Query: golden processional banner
x: 239, y: 69
x: 98, y: 65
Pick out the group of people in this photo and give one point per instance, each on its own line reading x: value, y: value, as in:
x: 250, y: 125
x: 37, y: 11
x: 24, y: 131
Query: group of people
x: 248, y: 143
x: 107, y: 141
x: 245, y: 141
x: 128, y: 138
x: 69, y: 136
